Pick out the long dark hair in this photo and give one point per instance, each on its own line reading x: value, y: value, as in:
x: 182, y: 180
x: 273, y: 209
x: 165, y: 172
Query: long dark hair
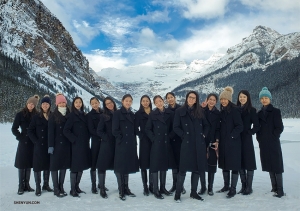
x: 141, y: 106
x: 157, y: 96
x: 197, y: 111
x: 170, y: 93
x: 73, y: 109
x: 27, y: 113
x: 212, y: 95
x: 57, y: 115
x: 248, y: 104
x: 106, y: 111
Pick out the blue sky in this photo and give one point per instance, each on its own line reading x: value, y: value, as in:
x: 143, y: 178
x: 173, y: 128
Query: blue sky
x: 120, y: 33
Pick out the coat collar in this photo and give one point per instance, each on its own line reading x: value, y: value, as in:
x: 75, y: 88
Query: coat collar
x: 130, y: 116
x: 261, y: 112
x: 162, y: 118
x: 93, y: 111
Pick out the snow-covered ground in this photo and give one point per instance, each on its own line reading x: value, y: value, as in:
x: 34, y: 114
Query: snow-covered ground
x: 261, y: 199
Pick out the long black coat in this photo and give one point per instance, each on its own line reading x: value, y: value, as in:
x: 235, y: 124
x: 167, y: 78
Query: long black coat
x: 61, y: 157
x: 248, y: 154
x: 213, y: 118
x: 176, y: 141
x: 230, y: 145
x: 106, y: 155
x: 271, y: 127
x: 141, y: 118
x: 24, y: 155
x: 159, y: 128
x: 38, y: 134
x: 76, y: 130
x: 126, y: 159
x: 93, y: 118
x: 193, y: 148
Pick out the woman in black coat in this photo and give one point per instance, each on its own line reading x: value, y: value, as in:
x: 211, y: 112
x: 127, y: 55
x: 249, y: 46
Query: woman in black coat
x: 93, y: 118
x: 249, y: 118
x: 175, y: 142
x: 212, y: 115
x: 38, y: 134
x: 191, y: 125
x: 230, y: 141
x: 59, y: 147
x: 126, y: 159
x: 141, y: 118
x: 24, y: 155
x: 159, y: 129
x: 106, y: 154
x: 271, y: 127
x: 76, y: 130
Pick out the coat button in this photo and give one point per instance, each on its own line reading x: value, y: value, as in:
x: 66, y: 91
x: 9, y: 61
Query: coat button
x: 60, y: 134
x: 187, y: 142
x: 185, y: 124
x: 126, y: 134
x: 42, y: 130
x: 165, y: 142
x: 201, y: 133
x: 158, y: 134
x: 60, y: 142
x: 126, y: 142
x: 166, y: 134
x: 125, y: 126
x: 157, y: 126
x: 42, y: 144
x: 42, y: 136
x: 187, y: 132
x: 25, y: 142
x: 60, y: 127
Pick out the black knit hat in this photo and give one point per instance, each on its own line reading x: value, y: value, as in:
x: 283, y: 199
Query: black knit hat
x: 46, y: 99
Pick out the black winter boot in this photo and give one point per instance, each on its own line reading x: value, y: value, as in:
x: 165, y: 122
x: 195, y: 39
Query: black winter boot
x: 27, y: 179
x: 194, y: 186
x: 106, y: 189
x: 211, y: 177
x: 174, y: 175
x: 150, y: 182
x: 156, y: 192
x: 243, y: 181
x: 279, y: 181
x: 102, y: 187
x: 127, y: 190
x: 37, y: 177
x: 62, y: 175
x: 144, y: 179
x: 203, y: 183
x: 273, y: 182
x: 226, y: 178
x: 46, y: 176
x: 121, y: 186
x: 73, y: 191
x: 179, y: 186
x: 93, y: 180
x: 234, y: 180
x: 163, y: 190
x: 248, y: 189
x: 54, y: 176
x: 78, y: 178
x: 21, y: 188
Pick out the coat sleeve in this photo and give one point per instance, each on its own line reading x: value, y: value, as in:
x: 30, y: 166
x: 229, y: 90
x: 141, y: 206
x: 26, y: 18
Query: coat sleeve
x: 31, y: 132
x: 51, y: 131
x: 176, y: 125
x: 137, y: 125
x: 206, y: 126
x: 237, y: 122
x: 278, y: 124
x: 255, y: 122
x: 68, y: 129
x: 116, y: 130
x: 90, y: 123
x: 149, y: 129
x: 15, y: 127
x: 217, y: 131
x: 101, y: 132
x: 172, y: 134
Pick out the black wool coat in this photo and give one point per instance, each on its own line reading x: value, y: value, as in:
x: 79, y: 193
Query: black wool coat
x: 61, y: 157
x: 271, y: 127
x: 230, y: 146
x: 76, y: 130
x: 38, y: 134
x: 176, y: 141
x: 213, y: 118
x: 248, y: 153
x: 193, y: 148
x: 106, y: 155
x: 159, y: 129
x: 24, y: 155
x: 141, y: 118
x: 126, y: 159
x: 93, y: 118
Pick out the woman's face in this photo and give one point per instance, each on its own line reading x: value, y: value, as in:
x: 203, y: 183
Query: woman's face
x: 45, y: 106
x: 62, y: 104
x: 243, y: 99
x: 127, y: 102
x: 265, y: 101
x: 224, y: 102
x: 171, y: 99
x: 191, y: 99
x: 212, y: 101
x: 145, y: 102
x: 78, y: 104
x: 30, y: 106
x: 95, y: 104
x: 159, y: 103
x: 109, y: 105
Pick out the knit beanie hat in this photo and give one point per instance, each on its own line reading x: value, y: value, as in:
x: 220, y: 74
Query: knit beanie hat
x: 46, y: 99
x: 34, y: 99
x: 265, y: 93
x: 227, y: 93
x: 60, y: 98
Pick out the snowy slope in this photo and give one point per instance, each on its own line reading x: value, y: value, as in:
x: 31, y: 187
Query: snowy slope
x: 261, y: 199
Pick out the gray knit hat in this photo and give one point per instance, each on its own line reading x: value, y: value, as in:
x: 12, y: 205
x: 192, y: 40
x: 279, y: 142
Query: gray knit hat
x: 34, y: 99
x: 227, y: 93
